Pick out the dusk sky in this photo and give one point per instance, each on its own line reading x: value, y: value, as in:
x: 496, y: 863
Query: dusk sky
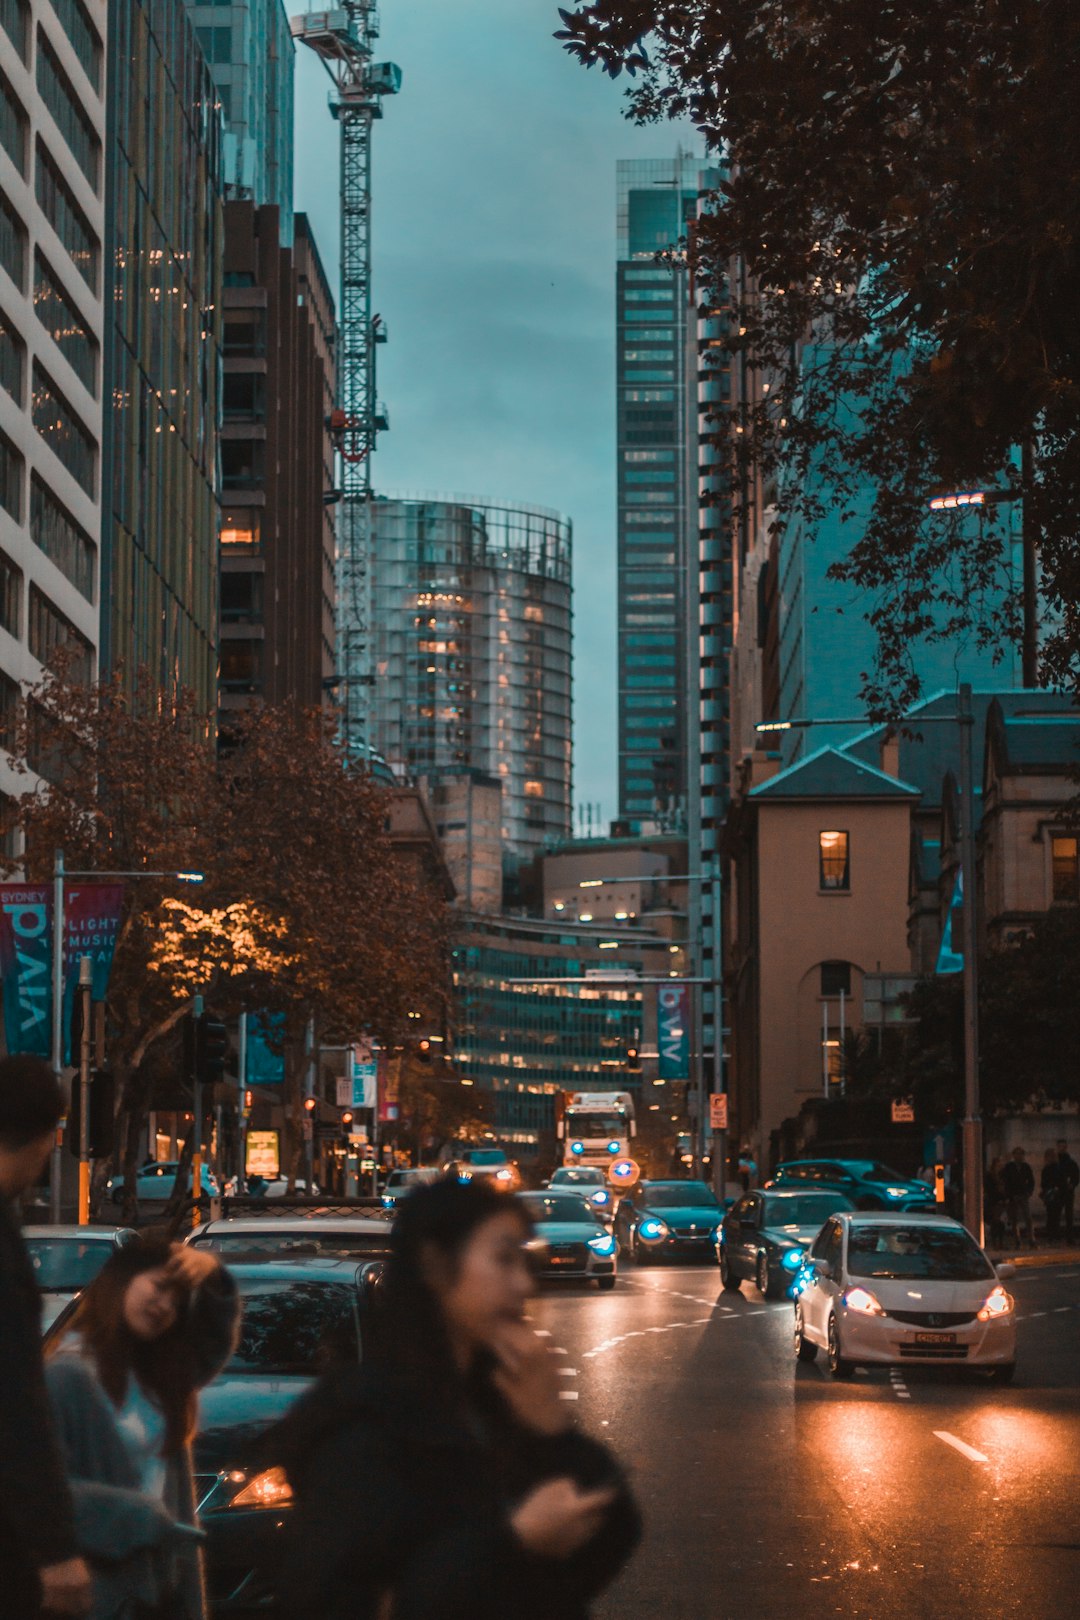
x: 494, y: 246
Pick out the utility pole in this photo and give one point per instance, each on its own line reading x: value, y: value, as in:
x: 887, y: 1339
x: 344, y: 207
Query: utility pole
x: 1029, y: 543
x: 57, y: 1018
x: 86, y: 981
x: 972, y: 1125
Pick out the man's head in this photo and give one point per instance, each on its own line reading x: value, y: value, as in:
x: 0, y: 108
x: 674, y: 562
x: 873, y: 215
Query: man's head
x: 1063, y: 1148
x: 1018, y: 1154
x: 31, y: 1106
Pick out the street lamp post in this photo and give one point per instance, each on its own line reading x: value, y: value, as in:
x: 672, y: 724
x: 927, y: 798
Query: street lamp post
x: 963, y: 717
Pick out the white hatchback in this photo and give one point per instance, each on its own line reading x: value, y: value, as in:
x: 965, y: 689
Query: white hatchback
x: 891, y: 1289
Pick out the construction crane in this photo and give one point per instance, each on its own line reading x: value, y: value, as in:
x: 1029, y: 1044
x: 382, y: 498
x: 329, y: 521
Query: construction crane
x: 343, y: 40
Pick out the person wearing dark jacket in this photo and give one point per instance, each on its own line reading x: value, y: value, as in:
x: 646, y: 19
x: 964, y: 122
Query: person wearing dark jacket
x: 1070, y: 1180
x: 443, y: 1479
x: 39, y: 1560
x: 1052, y: 1194
x: 1018, y: 1184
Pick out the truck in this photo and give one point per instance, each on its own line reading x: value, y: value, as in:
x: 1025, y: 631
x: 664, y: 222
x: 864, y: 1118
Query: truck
x: 595, y: 1127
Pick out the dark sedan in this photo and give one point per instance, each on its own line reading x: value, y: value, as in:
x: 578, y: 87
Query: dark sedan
x: 764, y: 1238
x: 867, y: 1183
x: 669, y: 1220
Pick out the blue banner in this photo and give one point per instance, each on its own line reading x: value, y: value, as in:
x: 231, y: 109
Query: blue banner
x: 673, y: 1031
x: 26, y: 965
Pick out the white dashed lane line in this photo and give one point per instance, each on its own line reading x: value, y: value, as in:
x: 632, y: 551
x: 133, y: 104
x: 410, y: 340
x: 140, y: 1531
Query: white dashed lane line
x: 961, y: 1446
x: 900, y: 1389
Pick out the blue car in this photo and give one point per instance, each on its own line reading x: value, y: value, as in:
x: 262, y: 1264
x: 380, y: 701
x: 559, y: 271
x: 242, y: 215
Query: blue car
x: 669, y: 1220
x: 868, y: 1184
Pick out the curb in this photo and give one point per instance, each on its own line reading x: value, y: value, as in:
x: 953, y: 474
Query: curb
x: 1030, y: 1262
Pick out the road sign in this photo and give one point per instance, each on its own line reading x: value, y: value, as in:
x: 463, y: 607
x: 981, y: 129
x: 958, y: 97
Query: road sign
x: 903, y: 1111
x: 718, y: 1110
x: 624, y: 1172
x: 343, y: 1092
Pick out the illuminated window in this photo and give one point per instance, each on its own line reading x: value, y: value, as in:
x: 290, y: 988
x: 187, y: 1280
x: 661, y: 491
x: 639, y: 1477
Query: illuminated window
x: 1065, y: 863
x: 833, y: 860
x: 534, y: 790
x: 241, y: 528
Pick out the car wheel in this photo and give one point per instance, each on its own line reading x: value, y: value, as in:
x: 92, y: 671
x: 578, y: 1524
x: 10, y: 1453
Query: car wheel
x: 1004, y: 1373
x: 838, y: 1366
x: 804, y: 1350
x: 727, y: 1276
x: 762, y: 1278
x: 605, y: 1284
x: 637, y: 1253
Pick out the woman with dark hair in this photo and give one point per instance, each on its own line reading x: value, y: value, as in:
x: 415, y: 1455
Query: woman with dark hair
x: 157, y: 1323
x: 443, y: 1478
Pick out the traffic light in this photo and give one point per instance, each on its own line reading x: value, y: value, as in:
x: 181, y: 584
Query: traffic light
x: 208, y: 1047
x: 633, y: 1059
x: 423, y: 1051
x: 102, y: 1129
x: 346, y: 1119
x: 309, y: 1104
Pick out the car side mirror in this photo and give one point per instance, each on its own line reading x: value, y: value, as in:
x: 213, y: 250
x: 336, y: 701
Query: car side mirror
x: 1006, y: 1269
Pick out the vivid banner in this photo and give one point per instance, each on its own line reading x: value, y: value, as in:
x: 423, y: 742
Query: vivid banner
x: 91, y: 924
x: 673, y: 1031
x: 26, y: 966
x: 364, y: 1071
x: 389, y: 1088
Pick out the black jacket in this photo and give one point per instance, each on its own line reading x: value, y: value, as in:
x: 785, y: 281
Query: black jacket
x: 36, y: 1527
x: 1018, y: 1179
x: 396, y: 1494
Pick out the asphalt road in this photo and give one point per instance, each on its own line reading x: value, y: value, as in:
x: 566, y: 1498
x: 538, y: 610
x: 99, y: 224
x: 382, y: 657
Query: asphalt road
x: 771, y: 1492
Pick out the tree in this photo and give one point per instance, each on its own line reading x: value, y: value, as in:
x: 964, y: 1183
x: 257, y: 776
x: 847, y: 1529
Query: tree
x: 902, y: 188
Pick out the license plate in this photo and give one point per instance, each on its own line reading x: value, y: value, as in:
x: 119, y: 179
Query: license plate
x: 562, y: 1260
x: 935, y: 1338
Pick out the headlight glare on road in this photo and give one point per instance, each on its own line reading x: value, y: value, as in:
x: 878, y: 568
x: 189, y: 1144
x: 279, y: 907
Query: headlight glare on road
x: 792, y: 1260
x: 863, y: 1301
x: 270, y: 1489
x: 996, y: 1303
x: 603, y: 1245
x: 651, y: 1230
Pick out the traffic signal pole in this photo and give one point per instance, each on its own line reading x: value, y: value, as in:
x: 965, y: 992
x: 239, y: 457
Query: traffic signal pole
x: 86, y: 980
x: 197, y: 1124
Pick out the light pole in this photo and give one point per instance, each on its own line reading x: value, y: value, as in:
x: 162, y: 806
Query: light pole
x: 972, y: 1123
x: 954, y: 500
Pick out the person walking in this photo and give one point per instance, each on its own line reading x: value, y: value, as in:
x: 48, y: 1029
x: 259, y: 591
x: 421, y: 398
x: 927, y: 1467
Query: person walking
x: 42, y: 1570
x: 994, y: 1203
x: 158, y: 1321
x: 1018, y: 1182
x: 1070, y: 1179
x: 1052, y: 1194
x: 444, y: 1478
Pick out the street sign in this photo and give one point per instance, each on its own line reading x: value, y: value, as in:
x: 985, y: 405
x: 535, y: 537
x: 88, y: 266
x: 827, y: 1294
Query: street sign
x: 306, y: 1130
x: 718, y: 1110
x: 624, y: 1172
x: 262, y: 1154
x: 343, y: 1089
x: 903, y: 1111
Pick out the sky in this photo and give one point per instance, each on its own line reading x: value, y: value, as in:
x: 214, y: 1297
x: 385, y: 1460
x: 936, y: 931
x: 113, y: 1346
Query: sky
x: 493, y: 226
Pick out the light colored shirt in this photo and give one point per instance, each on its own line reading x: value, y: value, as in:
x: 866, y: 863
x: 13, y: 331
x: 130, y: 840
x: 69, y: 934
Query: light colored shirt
x: 141, y: 1423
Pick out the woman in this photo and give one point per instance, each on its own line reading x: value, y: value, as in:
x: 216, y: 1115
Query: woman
x: 156, y: 1324
x: 444, y: 1479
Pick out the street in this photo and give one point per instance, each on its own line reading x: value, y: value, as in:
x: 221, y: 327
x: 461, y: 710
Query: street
x: 770, y: 1492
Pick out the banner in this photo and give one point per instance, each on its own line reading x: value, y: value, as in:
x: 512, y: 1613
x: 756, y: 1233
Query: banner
x: 265, y: 1053
x: 673, y: 1031
x: 26, y: 966
x: 389, y: 1088
x: 91, y: 923
x: 364, y: 1071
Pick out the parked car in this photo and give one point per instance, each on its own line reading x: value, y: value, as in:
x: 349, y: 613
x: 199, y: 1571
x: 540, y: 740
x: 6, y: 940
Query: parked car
x: 154, y: 1182
x: 868, y: 1184
x: 400, y: 1183
x: 66, y: 1258
x: 764, y: 1238
x: 483, y: 1164
x: 278, y: 1187
x: 589, y: 1182
x: 296, y: 1234
x: 668, y: 1220
x: 887, y: 1289
x: 572, y: 1239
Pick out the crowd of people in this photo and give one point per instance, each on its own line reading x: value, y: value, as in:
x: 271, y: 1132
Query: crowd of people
x: 1010, y: 1193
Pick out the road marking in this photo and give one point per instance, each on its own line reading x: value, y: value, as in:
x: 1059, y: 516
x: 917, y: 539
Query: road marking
x: 960, y: 1445
x: 567, y: 1372
x: 570, y: 1395
x: 900, y: 1389
x: 557, y: 1350
x: 542, y: 1333
x: 1031, y: 1315
x: 1062, y: 1308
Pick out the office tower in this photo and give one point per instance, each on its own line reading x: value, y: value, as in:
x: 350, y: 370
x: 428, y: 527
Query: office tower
x: 657, y: 484
x: 277, y: 533
x: 471, y: 652
x: 52, y: 214
x: 162, y: 362
x: 249, y: 50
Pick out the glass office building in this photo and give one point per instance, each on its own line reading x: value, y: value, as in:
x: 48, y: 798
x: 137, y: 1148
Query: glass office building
x: 470, y: 616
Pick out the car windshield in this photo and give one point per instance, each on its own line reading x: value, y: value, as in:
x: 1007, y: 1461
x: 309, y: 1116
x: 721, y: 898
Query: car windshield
x: 545, y: 1207
x: 578, y: 1178
x: 579, y: 1123
x: 680, y: 1194
x: 67, y: 1264
x: 296, y: 1327
x: 803, y: 1209
x: 486, y: 1156
x: 275, y: 1244
x: 881, y: 1172
x: 928, y: 1253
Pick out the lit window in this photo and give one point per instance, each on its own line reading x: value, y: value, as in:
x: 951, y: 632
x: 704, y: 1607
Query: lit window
x: 833, y: 860
x: 1065, y: 862
x: 534, y: 790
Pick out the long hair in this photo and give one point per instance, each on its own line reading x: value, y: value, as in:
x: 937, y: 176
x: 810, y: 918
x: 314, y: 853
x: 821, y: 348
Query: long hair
x: 436, y: 1220
x: 163, y: 1367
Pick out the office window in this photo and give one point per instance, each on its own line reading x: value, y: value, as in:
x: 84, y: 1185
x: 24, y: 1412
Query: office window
x: 1065, y: 862
x: 648, y: 393
x: 241, y: 666
x: 244, y: 396
x: 12, y: 243
x: 244, y: 333
x: 12, y: 125
x: 62, y: 431
x: 49, y: 629
x: 216, y: 43
x: 835, y: 979
x: 63, y: 102
x: 241, y: 529
x: 11, y: 479
x: 64, y: 324
x: 67, y: 219
x: 647, y: 295
x: 241, y: 598
x: 12, y: 359
x: 11, y: 590
x: 82, y: 35
x: 833, y: 860
x: 15, y: 19
x: 9, y: 719
x: 57, y: 534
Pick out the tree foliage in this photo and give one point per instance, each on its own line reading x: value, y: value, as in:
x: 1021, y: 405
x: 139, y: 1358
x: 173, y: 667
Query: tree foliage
x: 901, y: 185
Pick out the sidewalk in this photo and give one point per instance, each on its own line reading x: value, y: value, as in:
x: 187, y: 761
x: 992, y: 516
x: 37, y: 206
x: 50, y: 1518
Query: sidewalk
x: 1042, y: 1256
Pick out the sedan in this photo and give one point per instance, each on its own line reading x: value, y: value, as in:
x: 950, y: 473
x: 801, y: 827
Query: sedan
x: 154, y: 1182
x: 587, y: 1182
x: 765, y: 1237
x: 293, y: 1236
x: 66, y: 1258
x: 400, y: 1183
x: 888, y: 1290
x: 669, y: 1220
x: 571, y: 1240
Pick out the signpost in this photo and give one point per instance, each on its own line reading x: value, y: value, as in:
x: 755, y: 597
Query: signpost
x: 718, y: 1111
x: 263, y: 1154
x: 903, y: 1111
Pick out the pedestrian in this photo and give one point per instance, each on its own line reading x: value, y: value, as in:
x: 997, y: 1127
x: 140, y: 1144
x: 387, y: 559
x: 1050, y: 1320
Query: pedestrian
x: 445, y: 1477
x: 158, y: 1321
x: 1051, y: 1194
x: 1070, y: 1179
x: 994, y: 1202
x: 41, y: 1569
x: 1018, y: 1182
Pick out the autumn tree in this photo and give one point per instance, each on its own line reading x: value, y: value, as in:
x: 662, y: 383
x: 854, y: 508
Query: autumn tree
x: 901, y: 186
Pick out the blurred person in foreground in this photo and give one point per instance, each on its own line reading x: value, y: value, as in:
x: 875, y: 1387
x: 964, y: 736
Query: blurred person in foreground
x: 40, y: 1568
x: 156, y: 1324
x: 444, y: 1477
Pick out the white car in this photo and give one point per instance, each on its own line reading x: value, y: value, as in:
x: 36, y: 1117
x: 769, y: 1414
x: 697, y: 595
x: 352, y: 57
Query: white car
x: 892, y: 1289
x: 587, y: 1182
x: 66, y: 1259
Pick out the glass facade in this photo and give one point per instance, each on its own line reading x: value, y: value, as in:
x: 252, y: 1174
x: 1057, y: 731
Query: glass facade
x: 471, y: 629
x: 162, y: 364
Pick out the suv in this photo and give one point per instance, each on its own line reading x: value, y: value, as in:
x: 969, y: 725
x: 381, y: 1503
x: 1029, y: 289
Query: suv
x: 866, y: 1183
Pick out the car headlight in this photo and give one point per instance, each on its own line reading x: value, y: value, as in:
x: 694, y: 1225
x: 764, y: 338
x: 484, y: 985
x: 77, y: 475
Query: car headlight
x: 652, y: 1230
x: 996, y: 1303
x: 863, y: 1301
x: 504, y: 1175
x: 388, y: 1203
x: 603, y: 1245
x: 270, y: 1489
x: 613, y: 1147
x: 897, y: 1192
x: 601, y: 1198
x: 792, y: 1260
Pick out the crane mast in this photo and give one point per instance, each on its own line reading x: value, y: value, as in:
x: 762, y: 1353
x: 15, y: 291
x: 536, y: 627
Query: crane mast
x: 343, y: 40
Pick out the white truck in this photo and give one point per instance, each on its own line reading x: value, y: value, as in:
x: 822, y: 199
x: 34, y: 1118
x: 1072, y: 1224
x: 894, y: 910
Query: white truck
x: 596, y: 1127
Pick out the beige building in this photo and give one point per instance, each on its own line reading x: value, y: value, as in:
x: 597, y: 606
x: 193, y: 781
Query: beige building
x: 466, y: 807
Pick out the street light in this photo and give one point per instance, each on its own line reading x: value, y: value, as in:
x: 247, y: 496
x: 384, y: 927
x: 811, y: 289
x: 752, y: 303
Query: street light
x: 950, y: 500
x: 972, y: 1123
